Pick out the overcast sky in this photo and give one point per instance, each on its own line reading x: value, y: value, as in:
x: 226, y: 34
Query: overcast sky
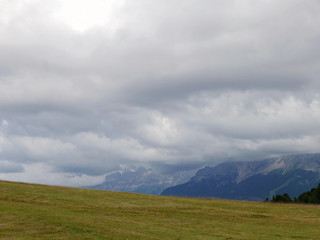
x: 91, y: 86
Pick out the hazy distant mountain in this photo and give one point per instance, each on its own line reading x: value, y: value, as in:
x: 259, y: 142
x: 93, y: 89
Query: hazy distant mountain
x: 253, y: 180
x: 142, y: 180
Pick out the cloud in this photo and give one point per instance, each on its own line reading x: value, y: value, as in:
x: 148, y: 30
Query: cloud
x: 9, y: 167
x: 171, y: 85
x: 43, y: 173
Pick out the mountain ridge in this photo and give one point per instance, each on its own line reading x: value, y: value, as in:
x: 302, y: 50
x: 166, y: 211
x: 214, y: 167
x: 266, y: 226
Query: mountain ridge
x: 254, y: 180
x: 142, y: 180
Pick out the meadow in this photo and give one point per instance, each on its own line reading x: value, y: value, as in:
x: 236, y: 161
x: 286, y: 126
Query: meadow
x: 30, y: 211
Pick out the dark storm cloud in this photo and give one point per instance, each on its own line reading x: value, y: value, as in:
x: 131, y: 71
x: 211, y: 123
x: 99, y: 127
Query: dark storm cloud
x: 168, y: 84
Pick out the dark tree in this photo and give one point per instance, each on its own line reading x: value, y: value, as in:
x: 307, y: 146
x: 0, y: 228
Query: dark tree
x: 285, y: 198
x: 312, y: 196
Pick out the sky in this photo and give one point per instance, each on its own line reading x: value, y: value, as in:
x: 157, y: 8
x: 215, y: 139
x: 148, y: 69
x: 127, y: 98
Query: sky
x: 92, y: 86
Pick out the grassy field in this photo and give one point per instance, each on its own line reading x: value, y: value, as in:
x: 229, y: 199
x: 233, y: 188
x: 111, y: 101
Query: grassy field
x: 42, y: 212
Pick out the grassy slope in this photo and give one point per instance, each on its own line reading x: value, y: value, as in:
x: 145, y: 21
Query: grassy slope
x: 42, y: 212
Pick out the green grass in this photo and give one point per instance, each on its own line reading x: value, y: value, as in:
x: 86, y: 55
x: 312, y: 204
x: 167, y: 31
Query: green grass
x: 43, y: 212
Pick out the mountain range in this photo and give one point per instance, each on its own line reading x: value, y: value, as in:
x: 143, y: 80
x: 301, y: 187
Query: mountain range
x: 253, y: 180
x: 142, y: 180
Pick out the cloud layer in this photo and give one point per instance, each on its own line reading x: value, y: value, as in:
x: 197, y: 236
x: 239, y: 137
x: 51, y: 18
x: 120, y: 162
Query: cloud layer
x: 167, y: 84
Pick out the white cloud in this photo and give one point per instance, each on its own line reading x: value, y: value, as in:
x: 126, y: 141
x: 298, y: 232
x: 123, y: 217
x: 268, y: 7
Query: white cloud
x: 83, y: 14
x: 4, y: 124
x: 161, y: 131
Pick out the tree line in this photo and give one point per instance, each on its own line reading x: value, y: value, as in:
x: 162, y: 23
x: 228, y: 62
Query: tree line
x: 311, y: 197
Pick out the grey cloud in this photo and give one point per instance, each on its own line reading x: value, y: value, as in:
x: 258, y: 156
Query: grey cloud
x: 171, y: 85
x: 9, y: 167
